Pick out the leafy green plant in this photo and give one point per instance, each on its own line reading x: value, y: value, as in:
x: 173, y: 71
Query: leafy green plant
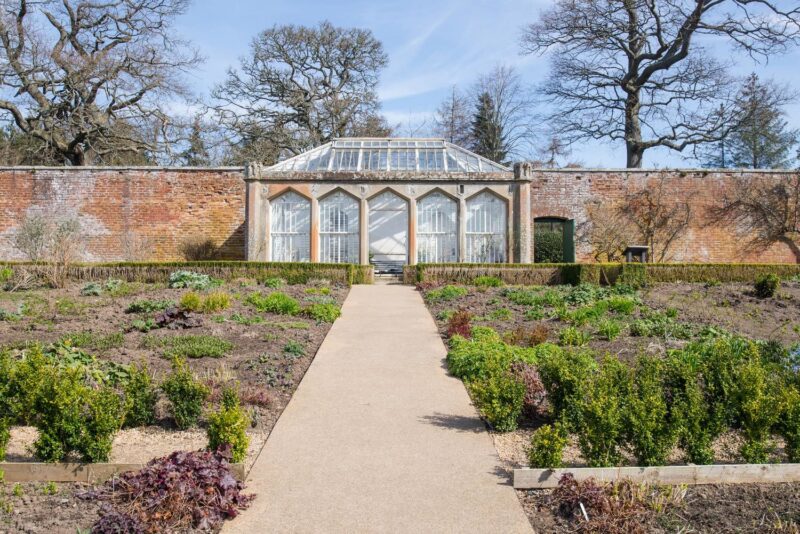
x: 238, y: 318
x: 186, y: 394
x: 621, y: 304
x: 651, y: 431
x: 609, y: 329
x: 92, y: 289
x: 547, y: 446
x: 501, y: 314
x: 192, y: 280
x: 149, y: 306
x: 143, y: 325
x: 294, y: 348
x: 227, y: 426
x: 5, y: 435
x: 767, y: 285
x: 69, y: 306
x: 448, y: 292
x: 320, y: 291
x: 657, y: 324
x: 790, y: 424
x: 195, y: 346
x: 601, y: 425
x: 141, y: 396
x: 534, y: 313
x: 695, y: 423
x: 6, y: 274
x: 323, y: 313
x: 276, y: 302
x: 94, y: 340
x: 564, y: 374
x: 487, y: 281
x: 273, y: 282
x: 572, y: 337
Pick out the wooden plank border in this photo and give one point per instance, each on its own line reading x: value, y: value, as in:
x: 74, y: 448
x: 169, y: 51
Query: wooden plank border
x: 670, y: 475
x: 74, y: 472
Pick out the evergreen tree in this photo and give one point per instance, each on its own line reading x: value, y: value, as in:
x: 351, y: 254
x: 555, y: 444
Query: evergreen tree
x: 196, y: 153
x: 487, y: 131
x: 762, y: 139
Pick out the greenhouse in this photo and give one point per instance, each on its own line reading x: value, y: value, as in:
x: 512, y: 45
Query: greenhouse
x: 388, y: 202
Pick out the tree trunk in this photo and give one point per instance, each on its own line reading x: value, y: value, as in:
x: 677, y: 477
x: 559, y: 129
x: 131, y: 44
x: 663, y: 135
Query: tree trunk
x: 633, y: 131
x: 76, y: 158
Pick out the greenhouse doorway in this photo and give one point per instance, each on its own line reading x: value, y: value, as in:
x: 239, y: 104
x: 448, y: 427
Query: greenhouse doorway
x: 553, y: 240
x: 388, y: 232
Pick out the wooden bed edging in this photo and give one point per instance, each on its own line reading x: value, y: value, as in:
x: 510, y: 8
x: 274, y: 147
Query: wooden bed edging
x: 73, y: 472
x: 670, y: 475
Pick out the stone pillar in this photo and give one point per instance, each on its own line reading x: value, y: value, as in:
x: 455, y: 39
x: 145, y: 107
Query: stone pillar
x: 314, y: 229
x: 462, y: 229
x: 256, y: 215
x: 363, y: 232
x: 412, y: 231
x: 523, y: 216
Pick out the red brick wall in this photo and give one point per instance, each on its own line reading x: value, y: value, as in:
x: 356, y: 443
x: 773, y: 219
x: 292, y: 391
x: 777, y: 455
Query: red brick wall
x: 568, y: 193
x: 126, y: 213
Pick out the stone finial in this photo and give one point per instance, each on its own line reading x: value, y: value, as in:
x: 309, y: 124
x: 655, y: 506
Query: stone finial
x: 252, y: 171
x: 522, y: 170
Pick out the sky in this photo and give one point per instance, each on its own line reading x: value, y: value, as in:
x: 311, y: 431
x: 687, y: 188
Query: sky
x: 432, y: 45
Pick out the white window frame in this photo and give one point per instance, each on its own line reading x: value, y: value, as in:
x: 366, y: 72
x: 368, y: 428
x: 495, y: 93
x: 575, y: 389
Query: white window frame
x: 437, y: 229
x: 290, y: 228
x: 339, y: 228
x: 487, y: 229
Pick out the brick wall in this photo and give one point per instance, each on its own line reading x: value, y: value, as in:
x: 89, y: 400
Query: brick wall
x: 570, y: 193
x: 146, y: 213
x: 129, y: 213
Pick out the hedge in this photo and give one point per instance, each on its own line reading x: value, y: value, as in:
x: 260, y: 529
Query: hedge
x: 634, y: 274
x: 151, y: 272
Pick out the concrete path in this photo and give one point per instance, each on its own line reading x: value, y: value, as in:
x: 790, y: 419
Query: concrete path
x: 378, y: 438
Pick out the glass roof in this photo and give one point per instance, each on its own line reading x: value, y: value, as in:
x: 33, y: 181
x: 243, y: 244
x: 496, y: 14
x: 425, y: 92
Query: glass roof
x: 373, y: 154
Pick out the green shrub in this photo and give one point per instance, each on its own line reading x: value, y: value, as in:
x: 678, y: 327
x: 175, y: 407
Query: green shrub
x: 185, y: 393
x: 564, y: 373
x: 534, y: 313
x: 192, y: 280
x: 71, y: 416
x: 273, y: 282
x: 790, y: 424
x: 467, y: 358
x: 651, y: 432
x: 228, y: 425
x: 601, y: 424
x: 321, y: 291
x: 572, y: 337
x: 501, y: 314
x: 276, y: 302
x: 547, y: 447
x: 499, y: 395
x: 720, y: 361
x: 621, y: 304
x: 5, y: 437
x: 26, y: 378
x: 94, y: 341
x: 141, y: 396
x: 758, y: 398
x: 191, y: 302
x: 767, y: 285
x: 487, y: 281
x: 448, y: 292
x: 694, y: 420
x: 609, y: 329
x: 195, y: 346
x: 548, y: 246
x: 149, y: 306
x: 323, y: 313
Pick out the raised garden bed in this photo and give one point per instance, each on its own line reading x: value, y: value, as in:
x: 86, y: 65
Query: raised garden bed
x: 230, y: 335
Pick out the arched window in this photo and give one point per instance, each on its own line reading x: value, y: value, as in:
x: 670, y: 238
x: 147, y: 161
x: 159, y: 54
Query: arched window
x: 338, y: 232
x: 290, y: 226
x: 437, y: 234
x: 487, y: 221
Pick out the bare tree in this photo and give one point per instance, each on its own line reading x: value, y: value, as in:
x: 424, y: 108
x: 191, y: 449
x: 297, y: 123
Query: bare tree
x: 452, y: 119
x: 765, y: 209
x: 607, y: 230
x: 555, y: 149
x: 301, y: 87
x: 635, y: 71
x: 512, y: 108
x: 86, y: 77
x: 659, y: 215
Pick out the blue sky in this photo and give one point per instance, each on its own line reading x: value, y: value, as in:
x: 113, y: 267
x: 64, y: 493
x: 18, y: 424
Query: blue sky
x: 431, y: 45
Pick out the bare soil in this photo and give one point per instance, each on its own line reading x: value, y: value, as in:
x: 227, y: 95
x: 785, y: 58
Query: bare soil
x: 267, y: 375
x: 732, y: 508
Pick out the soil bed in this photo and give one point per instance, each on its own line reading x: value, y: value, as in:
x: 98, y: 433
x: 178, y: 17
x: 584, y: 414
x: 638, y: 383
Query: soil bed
x: 270, y: 355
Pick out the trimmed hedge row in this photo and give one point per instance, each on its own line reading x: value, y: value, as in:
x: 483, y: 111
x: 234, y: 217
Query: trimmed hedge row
x: 151, y: 272
x: 634, y: 274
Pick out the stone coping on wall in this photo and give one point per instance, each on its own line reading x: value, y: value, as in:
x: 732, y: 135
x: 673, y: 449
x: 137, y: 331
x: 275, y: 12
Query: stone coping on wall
x: 382, y: 177
x: 142, y: 168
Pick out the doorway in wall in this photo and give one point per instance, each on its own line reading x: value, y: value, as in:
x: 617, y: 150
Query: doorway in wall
x: 388, y: 232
